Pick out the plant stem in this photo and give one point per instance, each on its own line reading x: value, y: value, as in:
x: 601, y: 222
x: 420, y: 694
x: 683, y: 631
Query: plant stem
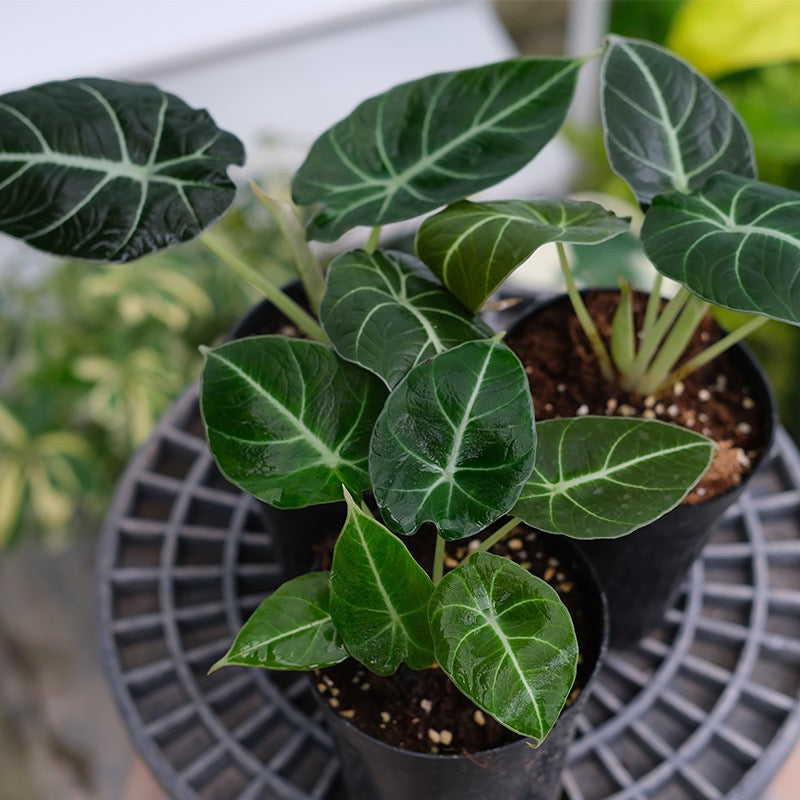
x: 651, y: 339
x: 498, y: 535
x: 372, y: 242
x: 674, y: 345
x: 438, y: 560
x: 299, y: 316
x: 653, y: 303
x: 589, y: 328
x: 623, y: 334
x: 306, y: 264
x: 711, y: 352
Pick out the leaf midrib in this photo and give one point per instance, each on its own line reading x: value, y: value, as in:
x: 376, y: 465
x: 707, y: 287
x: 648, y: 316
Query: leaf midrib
x: 564, y: 486
x: 421, y: 165
x: 246, y: 651
x: 141, y: 173
x: 679, y: 172
x: 329, y: 457
x: 402, y: 180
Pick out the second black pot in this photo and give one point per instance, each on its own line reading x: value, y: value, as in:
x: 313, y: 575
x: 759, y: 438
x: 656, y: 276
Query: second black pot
x: 374, y: 770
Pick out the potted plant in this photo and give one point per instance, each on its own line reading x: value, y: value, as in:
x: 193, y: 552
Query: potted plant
x: 399, y: 399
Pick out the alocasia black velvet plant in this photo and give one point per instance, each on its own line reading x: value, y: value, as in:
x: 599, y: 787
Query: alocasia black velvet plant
x: 399, y: 389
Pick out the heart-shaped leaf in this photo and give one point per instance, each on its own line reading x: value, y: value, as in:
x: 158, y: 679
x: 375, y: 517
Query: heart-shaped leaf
x: 602, y: 477
x: 110, y: 171
x: 426, y: 143
x: 291, y: 629
x: 287, y: 420
x: 379, y: 596
x: 473, y: 247
x: 666, y: 126
x: 506, y: 641
x: 380, y: 312
x: 455, y: 442
x: 735, y: 242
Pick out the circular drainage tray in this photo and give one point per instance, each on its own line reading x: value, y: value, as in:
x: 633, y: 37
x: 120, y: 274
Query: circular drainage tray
x: 705, y: 707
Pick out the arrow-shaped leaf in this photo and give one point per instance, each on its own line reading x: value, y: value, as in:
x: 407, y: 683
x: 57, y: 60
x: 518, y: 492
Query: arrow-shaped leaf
x: 426, y: 143
x: 735, y: 242
x: 506, y: 641
x: 602, y: 477
x: 473, y: 247
x: 455, y: 442
x: 110, y: 171
x: 379, y: 596
x: 380, y: 312
x: 288, y: 420
x: 666, y: 126
x: 291, y: 629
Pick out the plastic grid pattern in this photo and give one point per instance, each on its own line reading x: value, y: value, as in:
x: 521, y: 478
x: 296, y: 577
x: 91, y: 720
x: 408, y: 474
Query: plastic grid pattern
x: 705, y: 708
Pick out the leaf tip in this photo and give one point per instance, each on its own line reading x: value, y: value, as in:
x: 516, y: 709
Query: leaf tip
x: 223, y: 662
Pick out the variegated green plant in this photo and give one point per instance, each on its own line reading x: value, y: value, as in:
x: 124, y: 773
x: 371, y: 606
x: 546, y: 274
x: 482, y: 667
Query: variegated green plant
x: 400, y: 389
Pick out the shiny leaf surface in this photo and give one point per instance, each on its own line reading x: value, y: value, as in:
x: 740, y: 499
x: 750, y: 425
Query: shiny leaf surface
x: 473, y: 247
x: 291, y: 629
x: 455, y: 442
x: 428, y: 142
x: 602, y: 477
x: 735, y: 242
x: 380, y: 312
x: 287, y: 420
x: 666, y: 126
x: 379, y: 597
x: 109, y: 171
x: 506, y: 640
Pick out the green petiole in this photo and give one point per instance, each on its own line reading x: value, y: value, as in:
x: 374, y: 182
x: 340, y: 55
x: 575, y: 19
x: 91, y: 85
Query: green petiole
x: 298, y: 315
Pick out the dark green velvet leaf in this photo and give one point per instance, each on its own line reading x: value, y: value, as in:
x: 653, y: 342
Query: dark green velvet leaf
x: 380, y: 312
x: 291, y: 629
x: 455, y: 442
x: 379, y: 597
x: 473, y: 247
x: 506, y: 641
x: 110, y: 171
x: 735, y: 242
x: 666, y: 126
x: 428, y: 142
x: 288, y: 420
x: 602, y: 477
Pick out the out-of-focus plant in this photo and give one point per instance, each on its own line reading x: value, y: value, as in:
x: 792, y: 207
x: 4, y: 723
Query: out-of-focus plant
x: 91, y: 356
x: 41, y: 474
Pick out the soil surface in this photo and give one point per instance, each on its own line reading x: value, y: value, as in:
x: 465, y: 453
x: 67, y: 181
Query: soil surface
x: 422, y: 710
x: 716, y: 401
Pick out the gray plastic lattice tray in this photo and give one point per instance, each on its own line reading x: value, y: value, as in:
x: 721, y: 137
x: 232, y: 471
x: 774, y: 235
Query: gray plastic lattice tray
x: 705, y: 708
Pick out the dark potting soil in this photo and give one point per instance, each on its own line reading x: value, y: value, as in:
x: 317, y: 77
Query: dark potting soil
x: 565, y: 381
x: 422, y: 710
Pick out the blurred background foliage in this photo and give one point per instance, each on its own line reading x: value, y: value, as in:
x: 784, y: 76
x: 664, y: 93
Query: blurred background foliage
x: 92, y: 355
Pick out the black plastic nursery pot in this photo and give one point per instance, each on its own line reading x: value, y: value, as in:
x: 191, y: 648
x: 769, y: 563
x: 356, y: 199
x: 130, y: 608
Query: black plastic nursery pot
x: 642, y: 573
x: 375, y: 770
